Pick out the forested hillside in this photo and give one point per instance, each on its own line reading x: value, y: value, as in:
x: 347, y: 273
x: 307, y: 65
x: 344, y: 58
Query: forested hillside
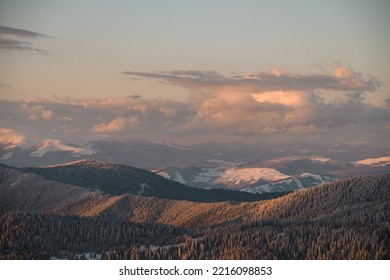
x: 41, y: 236
x: 347, y: 219
x: 28, y: 192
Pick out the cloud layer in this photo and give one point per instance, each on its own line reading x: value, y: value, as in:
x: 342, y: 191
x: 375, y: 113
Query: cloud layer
x: 21, y: 32
x: 19, y: 41
x: 272, y: 106
x: 343, y: 78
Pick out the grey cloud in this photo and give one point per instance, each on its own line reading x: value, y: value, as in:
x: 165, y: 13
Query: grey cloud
x: 264, y: 81
x: 135, y: 96
x: 225, y: 105
x: 14, y: 44
x: 21, y: 32
x: 188, y: 79
x: 158, y: 119
x: 11, y: 44
x: 4, y: 85
x: 351, y: 112
x: 80, y: 119
x: 20, y: 45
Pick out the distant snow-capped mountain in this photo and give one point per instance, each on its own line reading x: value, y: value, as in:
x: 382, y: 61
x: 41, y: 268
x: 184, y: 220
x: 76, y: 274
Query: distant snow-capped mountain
x: 293, y: 183
x: 208, y: 165
x: 237, y: 176
x: 293, y: 165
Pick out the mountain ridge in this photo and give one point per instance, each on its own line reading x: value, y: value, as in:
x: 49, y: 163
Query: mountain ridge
x: 345, y: 219
x: 63, y: 199
x: 119, y: 179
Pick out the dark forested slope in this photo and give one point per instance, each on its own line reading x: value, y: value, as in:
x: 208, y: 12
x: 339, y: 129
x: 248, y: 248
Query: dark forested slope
x: 31, y: 193
x: 41, y: 236
x: 117, y: 179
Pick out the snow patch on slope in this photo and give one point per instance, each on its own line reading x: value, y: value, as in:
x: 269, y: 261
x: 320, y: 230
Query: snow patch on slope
x: 162, y: 174
x: 238, y: 176
x: 53, y: 145
x: 179, y: 178
x: 295, y: 183
x: 224, y: 163
x: 141, y: 191
x: 320, y: 159
x: 7, y: 155
x: 379, y: 161
x: 295, y: 158
x: 208, y: 175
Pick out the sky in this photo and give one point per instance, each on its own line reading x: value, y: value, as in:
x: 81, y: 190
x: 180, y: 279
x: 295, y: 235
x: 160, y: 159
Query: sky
x: 195, y: 71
